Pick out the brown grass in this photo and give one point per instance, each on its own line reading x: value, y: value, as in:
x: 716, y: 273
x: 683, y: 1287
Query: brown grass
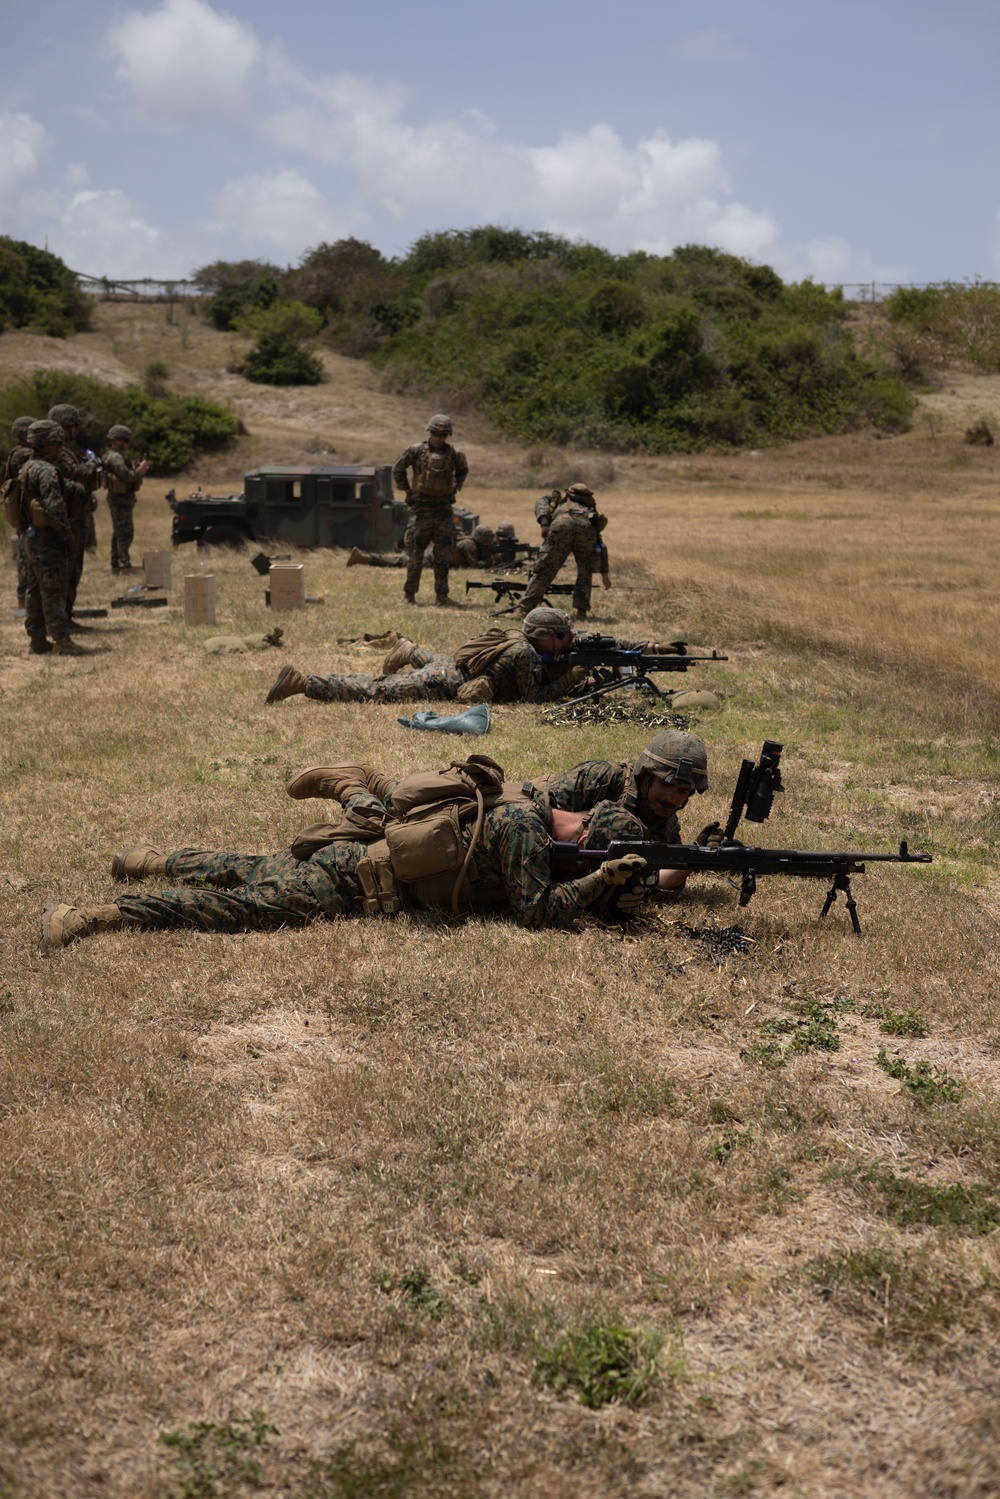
x: 222, y: 1157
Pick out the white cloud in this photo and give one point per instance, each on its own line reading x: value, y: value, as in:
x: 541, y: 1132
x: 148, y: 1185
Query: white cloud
x: 22, y: 144
x: 185, y: 61
x: 281, y: 212
x: 654, y: 195
x: 102, y: 234
x: 707, y: 46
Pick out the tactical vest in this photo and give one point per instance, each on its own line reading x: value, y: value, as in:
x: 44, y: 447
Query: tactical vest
x: 434, y: 472
x: 117, y: 488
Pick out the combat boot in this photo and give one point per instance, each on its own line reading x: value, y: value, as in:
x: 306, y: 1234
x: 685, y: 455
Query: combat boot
x: 335, y: 782
x: 63, y: 924
x: 67, y: 647
x: 287, y: 683
x: 581, y: 614
x: 39, y: 645
x: 409, y: 598
x: 138, y: 863
x: 357, y: 555
x: 445, y: 601
x: 398, y: 657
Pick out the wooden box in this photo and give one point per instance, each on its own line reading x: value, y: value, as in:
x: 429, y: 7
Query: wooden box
x: 288, y: 585
x: 199, y: 599
x: 156, y: 566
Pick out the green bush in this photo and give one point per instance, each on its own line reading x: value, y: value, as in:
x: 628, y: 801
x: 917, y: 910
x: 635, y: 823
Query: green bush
x: 38, y: 290
x: 170, y: 430
x: 279, y: 359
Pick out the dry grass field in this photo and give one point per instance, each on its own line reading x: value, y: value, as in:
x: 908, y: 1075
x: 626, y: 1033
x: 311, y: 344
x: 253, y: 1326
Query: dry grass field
x: 376, y: 1209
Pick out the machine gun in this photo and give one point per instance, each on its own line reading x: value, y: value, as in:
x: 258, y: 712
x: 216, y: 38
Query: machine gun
x: 512, y: 588
x: 612, y: 668
x: 516, y: 553
x: 756, y: 786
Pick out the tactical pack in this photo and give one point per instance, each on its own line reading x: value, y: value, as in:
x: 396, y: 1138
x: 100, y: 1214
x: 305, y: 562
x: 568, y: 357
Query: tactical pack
x: 14, y: 508
x: 423, y: 861
x: 478, y: 655
x: 435, y: 472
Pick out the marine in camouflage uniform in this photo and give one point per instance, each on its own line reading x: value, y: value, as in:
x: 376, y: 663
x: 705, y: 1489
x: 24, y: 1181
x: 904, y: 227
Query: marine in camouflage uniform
x: 478, y: 550
x: 438, y: 473
x: 657, y: 785
x: 571, y: 526
x: 512, y: 857
x: 123, y: 478
x: 16, y: 459
x: 527, y: 666
x: 80, y: 476
x: 48, y: 543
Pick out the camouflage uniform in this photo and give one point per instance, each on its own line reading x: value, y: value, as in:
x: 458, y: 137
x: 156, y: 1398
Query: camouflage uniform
x: 49, y: 551
x: 80, y: 478
x: 432, y: 523
x: 594, y: 781
x: 519, y: 675
x: 465, y: 553
x: 123, y: 481
x: 512, y: 858
x: 18, y: 456
x: 572, y: 530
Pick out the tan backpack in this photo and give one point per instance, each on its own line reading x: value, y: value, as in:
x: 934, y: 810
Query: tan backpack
x: 435, y: 473
x: 477, y: 656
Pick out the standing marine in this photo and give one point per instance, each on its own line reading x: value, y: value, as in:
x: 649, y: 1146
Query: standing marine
x: 430, y: 474
x: 49, y: 542
x: 123, y: 478
x: 571, y: 524
x: 80, y: 476
x: 16, y: 459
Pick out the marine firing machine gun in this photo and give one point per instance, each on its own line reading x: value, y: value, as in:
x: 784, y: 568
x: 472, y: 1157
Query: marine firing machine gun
x: 612, y: 668
x: 756, y: 786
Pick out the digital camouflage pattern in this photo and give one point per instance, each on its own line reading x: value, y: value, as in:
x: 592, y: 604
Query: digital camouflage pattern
x: 594, y: 781
x: 123, y: 480
x: 48, y: 552
x: 18, y: 456
x: 432, y: 525
x: 512, y: 857
x: 80, y: 479
x: 571, y: 534
x: 518, y: 675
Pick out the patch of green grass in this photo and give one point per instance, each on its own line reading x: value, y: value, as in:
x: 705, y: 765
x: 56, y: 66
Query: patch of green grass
x: 971, y: 1209
x: 928, y: 1086
x: 421, y: 1464
x: 604, y: 1362
x: 908, y: 1022
x: 208, y: 1455
x: 416, y: 1286
x: 814, y: 1028
x: 627, y: 1090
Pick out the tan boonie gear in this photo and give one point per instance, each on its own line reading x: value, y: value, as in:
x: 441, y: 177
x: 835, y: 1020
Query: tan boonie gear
x: 478, y: 655
x: 434, y: 472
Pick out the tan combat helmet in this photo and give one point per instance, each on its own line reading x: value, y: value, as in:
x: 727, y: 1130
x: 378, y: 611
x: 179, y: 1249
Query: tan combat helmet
x: 119, y: 434
x: 66, y: 416
x: 440, y: 425
x: 674, y: 756
x: 20, y: 426
x: 545, y: 621
x: 40, y: 434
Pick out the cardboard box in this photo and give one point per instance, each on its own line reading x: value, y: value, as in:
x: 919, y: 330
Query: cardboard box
x: 156, y: 566
x: 288, y: 585
x: 199, y: 599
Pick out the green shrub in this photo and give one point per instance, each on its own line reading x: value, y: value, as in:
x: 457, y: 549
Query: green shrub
x: 279, y: 359
x: 170, y: 430
x: 38, y: 290
x: 602, y: 1361
x: 926, y: 1085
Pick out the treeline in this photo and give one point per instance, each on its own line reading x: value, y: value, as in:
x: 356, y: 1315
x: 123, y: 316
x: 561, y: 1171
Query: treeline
x: 38, y: 291
x: 565, y: 342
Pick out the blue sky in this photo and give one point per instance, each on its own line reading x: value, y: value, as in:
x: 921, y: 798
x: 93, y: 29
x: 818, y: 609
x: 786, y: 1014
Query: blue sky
x: 849, y: 141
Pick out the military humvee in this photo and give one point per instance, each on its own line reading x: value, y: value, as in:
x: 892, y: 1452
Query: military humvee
x: 306, y: 507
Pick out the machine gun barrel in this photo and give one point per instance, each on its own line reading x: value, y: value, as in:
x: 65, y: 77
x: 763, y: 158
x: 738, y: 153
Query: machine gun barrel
x: 749, y: 863
x: 638, y: 661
